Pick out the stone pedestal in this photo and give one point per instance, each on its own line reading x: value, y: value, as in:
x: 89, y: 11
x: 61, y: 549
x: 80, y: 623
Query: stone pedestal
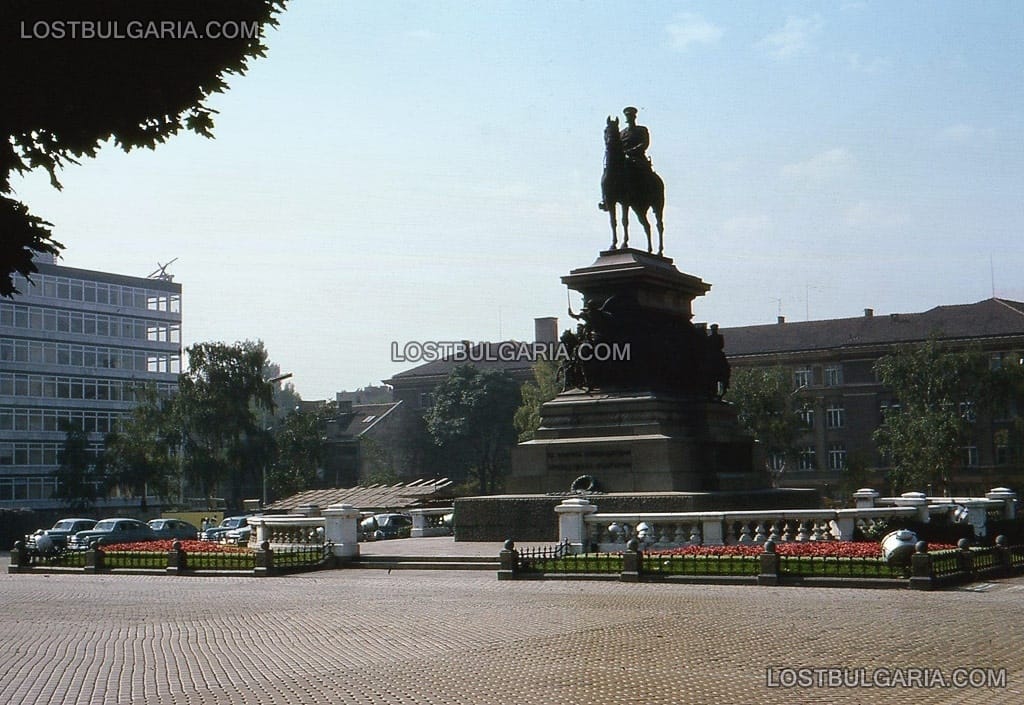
x: 642, y: 412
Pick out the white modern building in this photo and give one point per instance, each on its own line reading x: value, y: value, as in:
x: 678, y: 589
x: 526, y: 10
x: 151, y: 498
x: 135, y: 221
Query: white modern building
x: 73, y: 345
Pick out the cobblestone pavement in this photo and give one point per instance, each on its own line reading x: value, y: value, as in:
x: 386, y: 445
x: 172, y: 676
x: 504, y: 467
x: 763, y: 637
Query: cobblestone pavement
x: 370, y: 636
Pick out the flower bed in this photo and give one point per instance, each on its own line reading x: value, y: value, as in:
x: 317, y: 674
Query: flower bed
x: 165, y: 545
x: 818, y: 549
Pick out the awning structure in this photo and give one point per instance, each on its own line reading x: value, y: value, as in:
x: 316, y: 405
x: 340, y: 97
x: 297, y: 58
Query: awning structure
x: 418, y: 493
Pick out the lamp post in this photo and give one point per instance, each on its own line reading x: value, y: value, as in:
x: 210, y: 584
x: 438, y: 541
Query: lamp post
x: 272, y: 380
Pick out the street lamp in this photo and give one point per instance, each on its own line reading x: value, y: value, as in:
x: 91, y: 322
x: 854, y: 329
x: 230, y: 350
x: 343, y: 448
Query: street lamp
x: 272, y: 380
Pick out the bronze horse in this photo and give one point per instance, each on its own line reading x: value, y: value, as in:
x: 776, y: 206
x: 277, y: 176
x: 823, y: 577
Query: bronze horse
x: 631, y: 186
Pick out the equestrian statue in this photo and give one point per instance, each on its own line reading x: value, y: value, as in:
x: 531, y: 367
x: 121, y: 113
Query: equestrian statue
x: 629, y: 179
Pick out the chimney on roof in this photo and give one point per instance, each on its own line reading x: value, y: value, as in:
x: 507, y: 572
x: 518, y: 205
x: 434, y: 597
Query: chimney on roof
x: 781, y: 320
x: 869, y: 312
x: 545, y: 330
x: 344, y: 406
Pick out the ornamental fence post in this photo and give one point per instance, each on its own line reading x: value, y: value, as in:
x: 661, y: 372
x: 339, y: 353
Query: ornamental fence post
x: 264, y: 561
x: 921, y: 568
x: 632, y: 562
x: 94, y: 559
x: 509, y: 561
x: 21, y: 561
x: 769, y: 574
x: 964, y: 558
x: 1003, y: 556
x: 177, y: 559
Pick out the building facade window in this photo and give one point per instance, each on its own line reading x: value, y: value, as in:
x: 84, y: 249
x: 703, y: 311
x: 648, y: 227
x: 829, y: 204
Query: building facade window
x: 834, y: 376
x: 971, y: 457
x: 802, y: 378
x: 806, y: 416
x: 835, y: 416
x: 837, y: 456
x: 807, y: 460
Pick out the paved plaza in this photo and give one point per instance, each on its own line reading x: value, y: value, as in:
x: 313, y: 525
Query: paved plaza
x: 374, y: 636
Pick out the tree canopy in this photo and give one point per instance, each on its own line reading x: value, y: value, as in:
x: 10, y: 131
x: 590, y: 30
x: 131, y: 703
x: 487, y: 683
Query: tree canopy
x: 220, y: 404
x: 70, y: 85
x: 938, y: 394
x: 543, y: 388
x: 766, y: 405
x: 472, y: 419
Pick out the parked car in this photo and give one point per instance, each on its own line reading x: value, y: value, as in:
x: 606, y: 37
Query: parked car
x: 239, y: 536
x: 110, y: 531
x: 55, y: 540
x: 174, y: 529
x: 216, y: 533
x: 385, y: 526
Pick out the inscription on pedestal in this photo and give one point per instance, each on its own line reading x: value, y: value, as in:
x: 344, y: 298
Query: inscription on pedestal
x: 589, y: 461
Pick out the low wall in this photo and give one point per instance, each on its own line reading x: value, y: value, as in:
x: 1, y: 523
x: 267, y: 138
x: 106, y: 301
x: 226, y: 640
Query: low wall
x: 533, y: 518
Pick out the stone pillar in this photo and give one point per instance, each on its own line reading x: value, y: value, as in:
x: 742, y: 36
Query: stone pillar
x: 341, y: 528
x: 509, y: 561
x: 572, y: 529
x: 177, y: 559
x: 864, y: 498
x: 261, y: 530
x: 711, y: 529
x: 921, y: 568
x: 918, y: 500
x: 1009, y: 498
x: 769, y: 561
x: 632, y: 562
x: 977, y: 515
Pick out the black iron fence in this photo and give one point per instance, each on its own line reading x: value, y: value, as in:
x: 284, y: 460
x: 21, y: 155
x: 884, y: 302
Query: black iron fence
x: 263, y: 561
x: 924, y: 571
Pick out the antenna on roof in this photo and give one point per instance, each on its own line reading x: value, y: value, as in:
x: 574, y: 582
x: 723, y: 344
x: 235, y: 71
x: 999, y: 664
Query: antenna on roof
x: 161, y: 271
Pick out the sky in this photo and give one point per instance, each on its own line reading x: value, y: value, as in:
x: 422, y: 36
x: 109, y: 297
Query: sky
x: 417, y: 171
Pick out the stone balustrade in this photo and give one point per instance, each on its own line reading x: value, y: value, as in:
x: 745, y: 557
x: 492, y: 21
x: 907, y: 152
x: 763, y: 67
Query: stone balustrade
x: 584, y: 528
x: 339, y: 526
x: 430, y: 522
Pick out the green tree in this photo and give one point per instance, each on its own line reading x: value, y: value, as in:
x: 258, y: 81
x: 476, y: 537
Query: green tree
x: 221, y: 400
x: 78, y: 475
x: 141, y: 455
x: 767, y: 406
x: 301, y: 443
x: 938, y: 392
x: 67, y: 96
x: 472, y: 420
x: 543, y: 388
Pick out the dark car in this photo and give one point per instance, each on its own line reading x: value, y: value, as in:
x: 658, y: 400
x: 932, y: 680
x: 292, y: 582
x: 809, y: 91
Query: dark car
x: 385, y: 526
x: 216, y: 533
x: 55, y: 540
x: 174, y: 529
x: 110, y: 531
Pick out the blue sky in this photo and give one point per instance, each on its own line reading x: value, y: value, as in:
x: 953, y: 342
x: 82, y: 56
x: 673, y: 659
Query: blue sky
x: 398, y: 171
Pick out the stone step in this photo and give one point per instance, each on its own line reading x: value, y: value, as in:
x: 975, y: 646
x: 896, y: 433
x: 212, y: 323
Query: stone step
x: 425, y: 563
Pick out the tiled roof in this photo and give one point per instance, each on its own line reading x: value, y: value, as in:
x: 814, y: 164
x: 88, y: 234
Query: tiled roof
x: 399, y: 496
x: 991, y: 318
x: 366, y: 416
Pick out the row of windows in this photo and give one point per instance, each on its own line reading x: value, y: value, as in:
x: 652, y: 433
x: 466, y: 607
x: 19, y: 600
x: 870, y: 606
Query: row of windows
x: 53, y: 387
x: 835, y: 416
x: 22, y: 488
x: 88, y: 323
x: 807, y: 458
x: 804, y: 377
x: 50, y: 353
x: 71, y: 289
x: 41, y: 454
x: 17, y: 419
